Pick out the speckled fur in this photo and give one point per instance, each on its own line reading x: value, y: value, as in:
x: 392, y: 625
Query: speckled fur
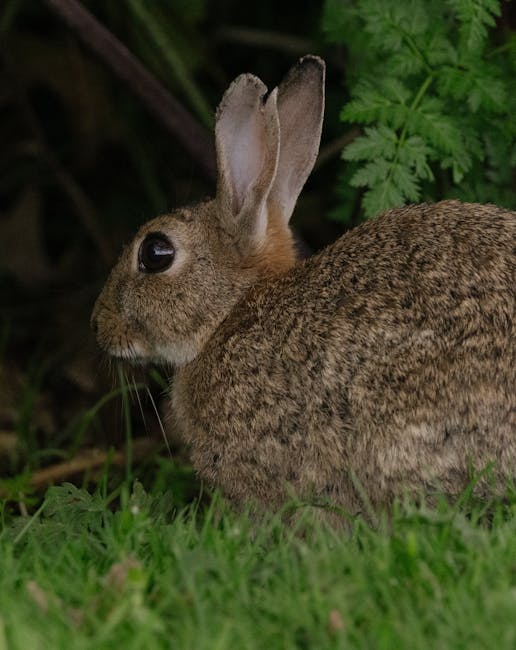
x: 390, y: 357
x: 387, y: 361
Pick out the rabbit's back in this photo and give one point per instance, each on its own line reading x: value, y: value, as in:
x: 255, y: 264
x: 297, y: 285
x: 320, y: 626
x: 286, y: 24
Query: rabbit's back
x: 389, y: 358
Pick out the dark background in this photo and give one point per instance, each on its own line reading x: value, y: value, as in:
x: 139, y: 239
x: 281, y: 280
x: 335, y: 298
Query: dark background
x: 83, y: 162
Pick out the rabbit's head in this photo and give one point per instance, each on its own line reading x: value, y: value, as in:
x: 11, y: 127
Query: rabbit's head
x: 183, y: 272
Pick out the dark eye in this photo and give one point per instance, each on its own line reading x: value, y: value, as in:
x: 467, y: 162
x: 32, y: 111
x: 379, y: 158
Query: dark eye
x: 156, y: 253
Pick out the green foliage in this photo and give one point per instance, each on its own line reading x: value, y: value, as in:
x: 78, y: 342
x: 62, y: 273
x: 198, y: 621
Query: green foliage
x: 433, y: 85
x: 79, y: 574
x: 163, y: 37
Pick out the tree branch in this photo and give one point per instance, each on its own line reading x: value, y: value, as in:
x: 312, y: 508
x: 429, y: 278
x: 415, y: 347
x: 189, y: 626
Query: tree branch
x: 93, y: 459
x: 158, y: 100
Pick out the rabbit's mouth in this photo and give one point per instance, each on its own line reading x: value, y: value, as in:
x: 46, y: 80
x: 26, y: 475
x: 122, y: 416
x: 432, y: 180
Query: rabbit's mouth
x: 132, y: 352
x: 125, y: 349
x: 119, y: 342
x: 135, y: 353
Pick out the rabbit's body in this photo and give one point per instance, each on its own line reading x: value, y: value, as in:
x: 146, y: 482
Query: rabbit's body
x: 387, y: 361
x: 390, y: 357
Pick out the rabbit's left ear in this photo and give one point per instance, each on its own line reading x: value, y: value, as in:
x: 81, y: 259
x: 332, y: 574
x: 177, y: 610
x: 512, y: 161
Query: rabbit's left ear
x: 247, y: 143
x: 301, y: 111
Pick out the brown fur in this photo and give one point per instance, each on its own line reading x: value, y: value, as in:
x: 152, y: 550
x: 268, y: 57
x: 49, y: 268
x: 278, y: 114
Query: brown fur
x: 278, y: 254
x: 387, y: 361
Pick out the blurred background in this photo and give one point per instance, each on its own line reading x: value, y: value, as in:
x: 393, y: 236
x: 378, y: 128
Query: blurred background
x: 106, y: 118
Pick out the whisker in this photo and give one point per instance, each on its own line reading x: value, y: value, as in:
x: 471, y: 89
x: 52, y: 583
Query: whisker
x: 159, y: 421
x: 128, y: 386
x: 139, y: 402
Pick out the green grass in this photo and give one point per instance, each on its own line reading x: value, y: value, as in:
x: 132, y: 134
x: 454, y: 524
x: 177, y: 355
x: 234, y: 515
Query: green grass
x: 80, y: 575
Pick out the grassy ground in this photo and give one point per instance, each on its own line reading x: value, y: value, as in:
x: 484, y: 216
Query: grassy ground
x: 79, y: 574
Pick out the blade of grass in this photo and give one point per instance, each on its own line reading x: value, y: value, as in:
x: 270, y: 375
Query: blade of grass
x: 174, y: 62
x: 128, y: 425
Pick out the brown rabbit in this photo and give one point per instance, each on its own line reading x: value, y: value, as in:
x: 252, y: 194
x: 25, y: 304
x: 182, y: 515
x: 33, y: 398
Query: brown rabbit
x: 387, y: 361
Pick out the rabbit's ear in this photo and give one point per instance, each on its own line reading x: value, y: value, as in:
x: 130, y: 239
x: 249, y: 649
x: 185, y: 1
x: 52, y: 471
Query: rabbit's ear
x: 301, y: 111
x: 247, y: 142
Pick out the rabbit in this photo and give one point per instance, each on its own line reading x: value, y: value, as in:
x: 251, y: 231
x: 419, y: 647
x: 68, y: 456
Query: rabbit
x: 383, y: 365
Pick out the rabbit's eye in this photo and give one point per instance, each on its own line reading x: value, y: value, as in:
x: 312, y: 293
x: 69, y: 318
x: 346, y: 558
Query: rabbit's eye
x: 156, y: 253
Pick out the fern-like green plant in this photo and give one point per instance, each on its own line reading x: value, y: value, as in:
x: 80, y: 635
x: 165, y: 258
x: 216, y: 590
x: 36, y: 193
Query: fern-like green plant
x: 433, y: 84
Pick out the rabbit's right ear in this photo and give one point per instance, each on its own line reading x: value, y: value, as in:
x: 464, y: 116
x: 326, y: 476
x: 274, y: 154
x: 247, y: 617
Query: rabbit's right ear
x: 301, y: 112
x: 247, y: 143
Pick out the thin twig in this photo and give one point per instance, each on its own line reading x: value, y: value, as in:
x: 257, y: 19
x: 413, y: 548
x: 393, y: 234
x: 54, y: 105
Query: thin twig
x: 266, y: 39
x: 159, y: 101
x: 90, y: 460
x: 335, y: 147
x: 271, y: 40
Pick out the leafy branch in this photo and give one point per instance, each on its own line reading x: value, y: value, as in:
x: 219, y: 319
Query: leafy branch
x: 434, y: 96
